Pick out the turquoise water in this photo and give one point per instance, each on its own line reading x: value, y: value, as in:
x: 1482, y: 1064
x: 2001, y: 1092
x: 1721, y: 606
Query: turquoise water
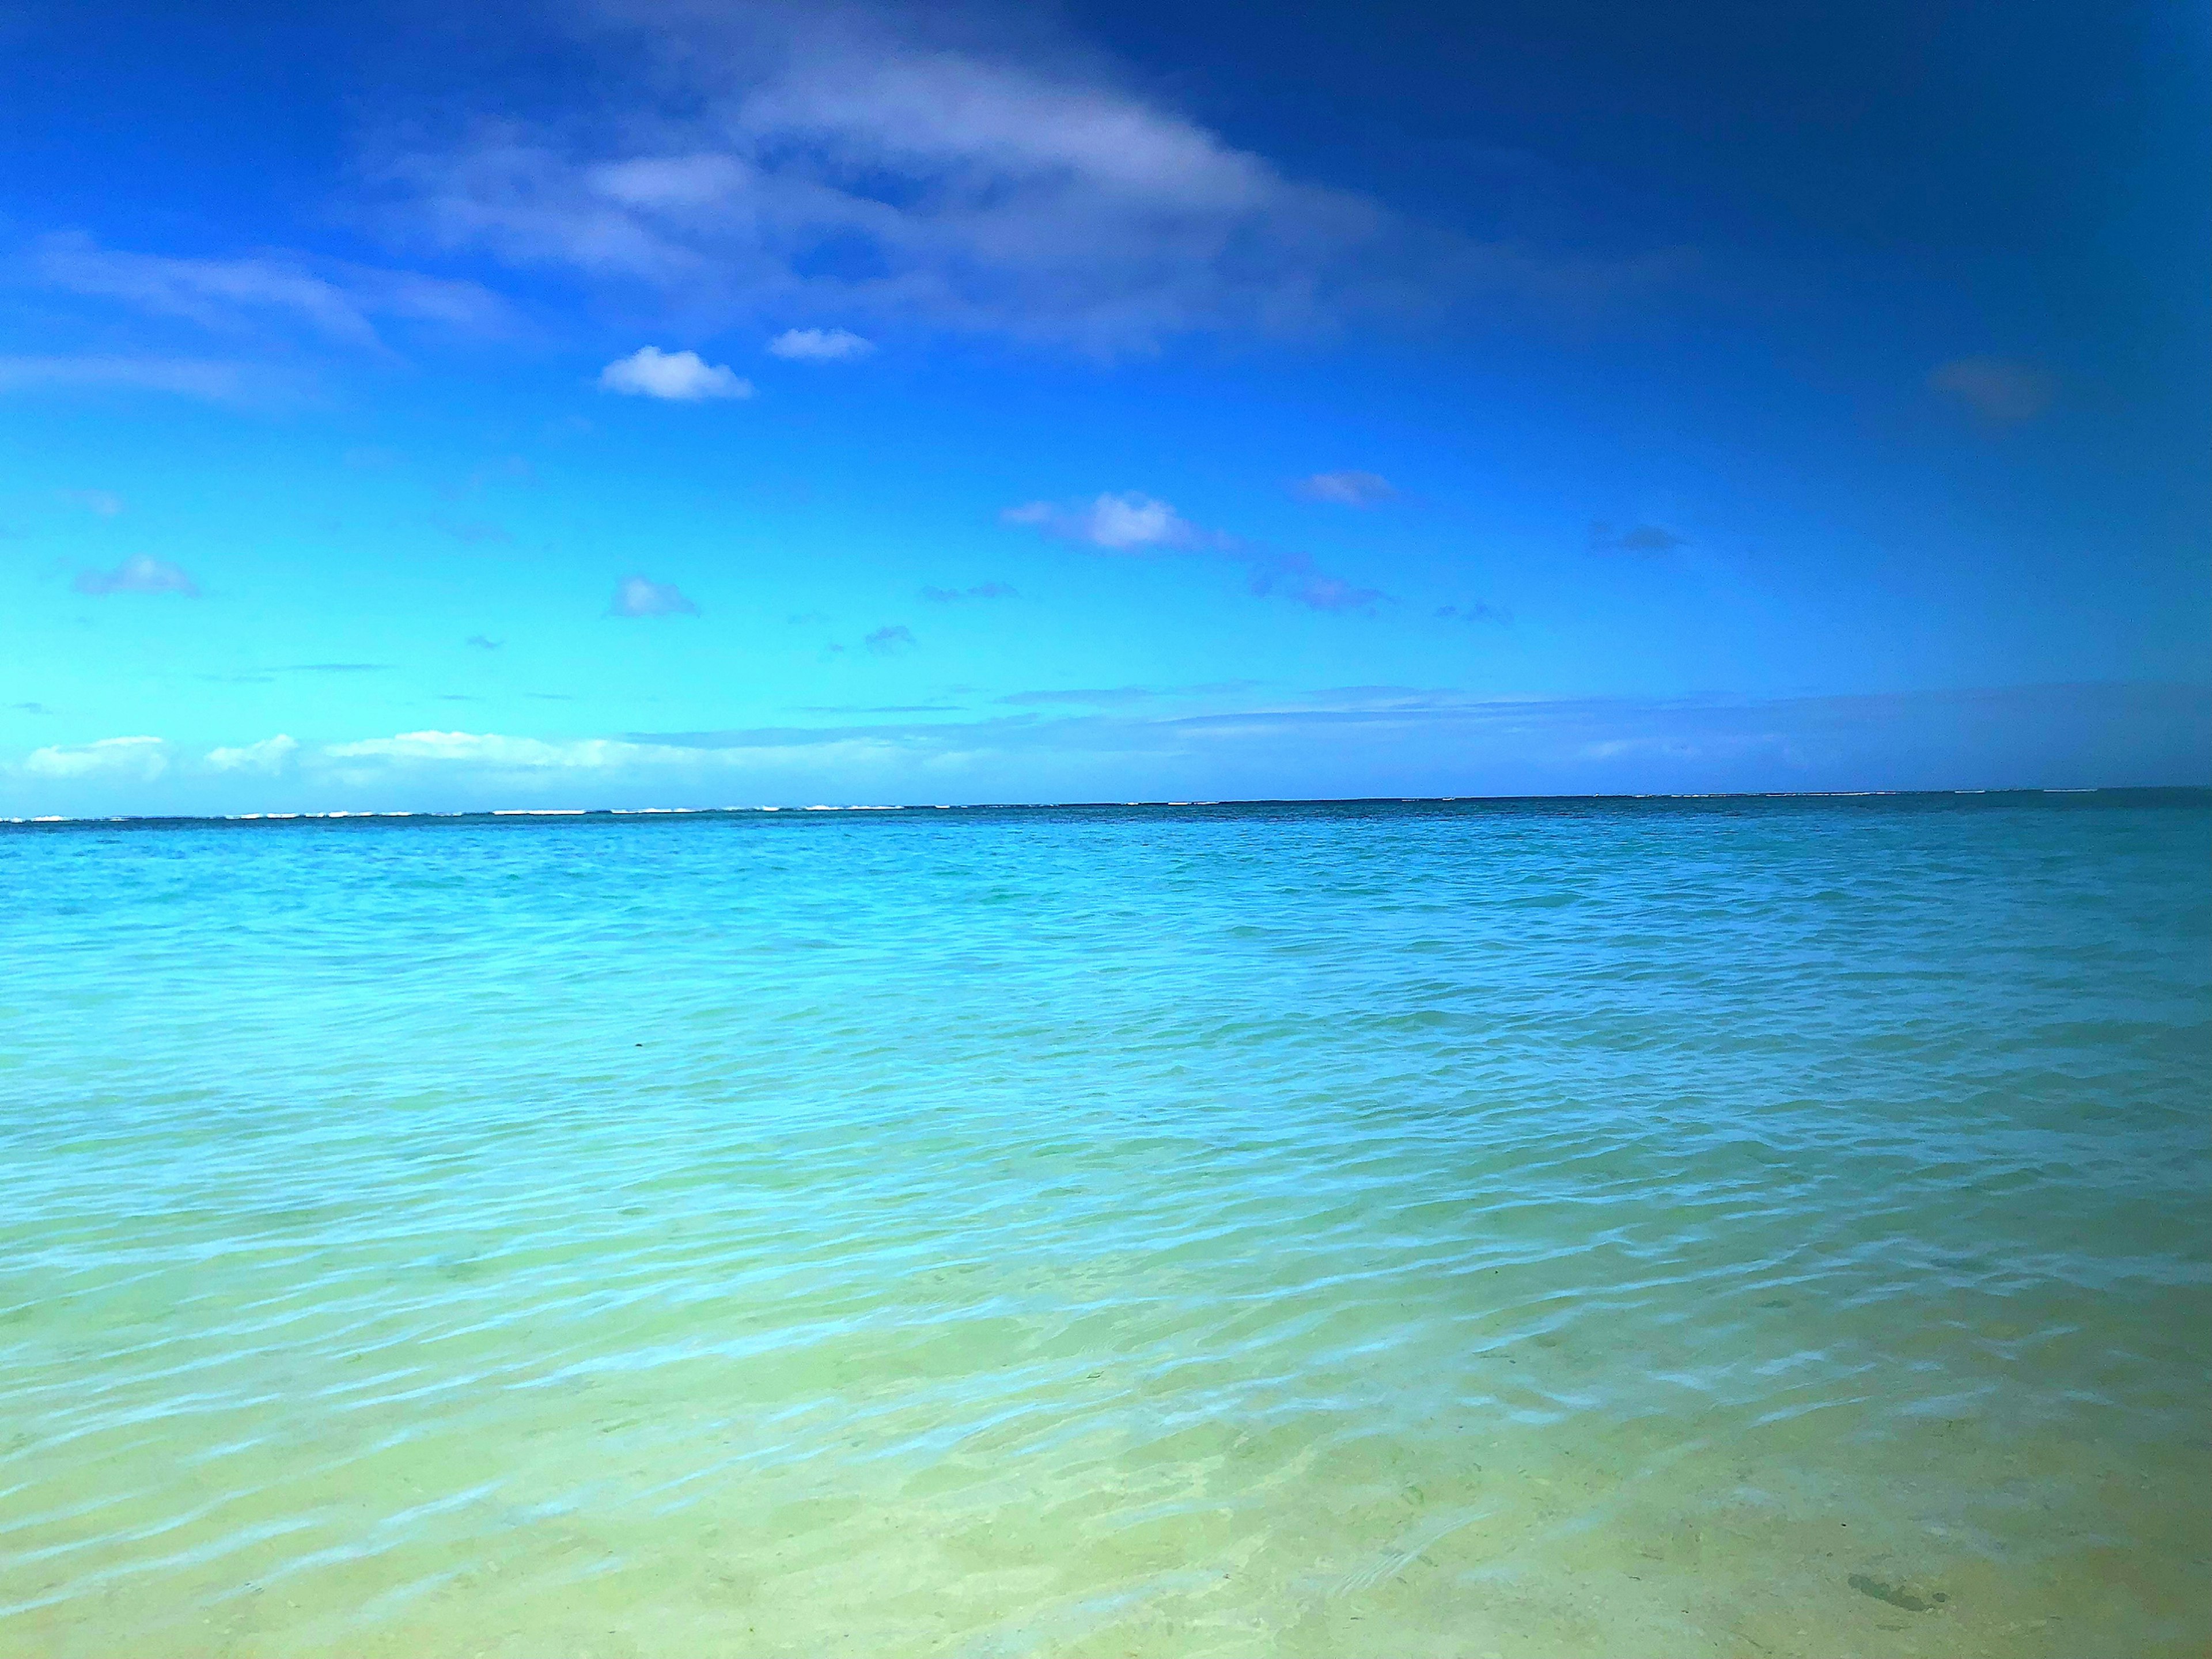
x: 1663, y: 1228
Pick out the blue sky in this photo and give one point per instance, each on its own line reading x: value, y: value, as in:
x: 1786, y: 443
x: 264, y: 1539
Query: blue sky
x: 649, y: 404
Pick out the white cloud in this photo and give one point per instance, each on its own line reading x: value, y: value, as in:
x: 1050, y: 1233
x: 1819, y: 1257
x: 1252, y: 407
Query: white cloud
x: 636, y: 597
x: 1994, y: 388
x: 334, y: 297
x: 1347, y: 488
x: 1132, y: 522
x: 846, y: 160
x: 139, y: 573
x: 104, y: 502
x: 819, y: 345
x: 1127, y: 522
x: 680, y: 376
x: 270, y: 755
x: 111, y: 757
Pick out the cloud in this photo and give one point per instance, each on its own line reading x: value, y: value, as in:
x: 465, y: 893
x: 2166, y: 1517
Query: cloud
x: 678, y: 377
x: 1363, y: 741
x: 1994, y: 388
x: 1293, y: 576
x: 636, y: 597
x: 139, y: 573
x: 819, y: 345
x: 270, y: 755
x: 1134, y: 523
x: 1650, y: 539
x: 1115, y: 696
x: 483, y: 642
x: 105, y: 502
x: 334, y: 299
x: 979, y: 591
x: 1477, y: 613
x: 186, y: 376
x: 875, y: 162
x: 1120, y: 523
x: 143, y: 758
x: 890, y: 640
x: 1347, y: 488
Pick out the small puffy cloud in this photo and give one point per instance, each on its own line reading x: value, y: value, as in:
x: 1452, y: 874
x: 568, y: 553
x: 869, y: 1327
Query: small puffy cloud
x: 270, y: 755
x: 636, y: 597
x: 139, y: 573
x: 819, y: 345
x: 1347, y: 488
x: 1127, y: 522
x: 1134, y: 523
x: 677, y: 376
x: 483, y: 642
x: 1650, y: 538
x: 105, y: 502
x: 890, y: 640
x: 981, y: 590
x: 1994, y: 388
x: 110, y: 757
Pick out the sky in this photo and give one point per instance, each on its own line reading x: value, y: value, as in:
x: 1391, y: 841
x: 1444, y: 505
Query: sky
x: 657, y: 403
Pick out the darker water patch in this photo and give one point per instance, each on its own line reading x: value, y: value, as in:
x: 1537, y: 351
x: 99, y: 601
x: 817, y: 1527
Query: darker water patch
x: 1898, y: 1595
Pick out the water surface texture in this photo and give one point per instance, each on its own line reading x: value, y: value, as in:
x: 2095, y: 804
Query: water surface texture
x: 1665, y: 1228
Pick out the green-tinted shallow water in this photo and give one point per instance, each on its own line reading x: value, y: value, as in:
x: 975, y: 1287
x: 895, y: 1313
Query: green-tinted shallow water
x: 1729, y: 1228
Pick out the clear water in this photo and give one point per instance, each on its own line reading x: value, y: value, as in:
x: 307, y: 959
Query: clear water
x: 1732, y: 1228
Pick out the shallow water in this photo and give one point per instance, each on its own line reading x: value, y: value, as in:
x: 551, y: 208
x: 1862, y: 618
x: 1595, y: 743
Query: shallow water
x: 1672, y: 1228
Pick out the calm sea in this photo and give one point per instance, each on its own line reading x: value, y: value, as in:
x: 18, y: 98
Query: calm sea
x: 1672, y: 1228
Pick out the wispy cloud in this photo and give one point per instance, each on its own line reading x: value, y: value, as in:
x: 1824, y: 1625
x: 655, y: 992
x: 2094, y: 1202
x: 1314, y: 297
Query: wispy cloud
x: 1650, y: 539
x: 675, y: 376
x: 1479, y: 611
x: 890, y: 640
x: 873, y: 163
x: 104, y: 503
x: 1352, y: 741
x: 1112, y: 697
x: 1347, y: 488
x: 635, y: 595
x: 1132, y: 523
x: 140, y: 574
x: 819, y: 345
x: 979, y: 591
x: 334, y: 299
x: 185, y: 377
x: 483, y: 642
x: 1995, y: 388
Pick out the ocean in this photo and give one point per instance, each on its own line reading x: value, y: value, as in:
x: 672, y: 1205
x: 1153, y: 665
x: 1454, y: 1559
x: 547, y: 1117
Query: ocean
x: 1743, y: 1226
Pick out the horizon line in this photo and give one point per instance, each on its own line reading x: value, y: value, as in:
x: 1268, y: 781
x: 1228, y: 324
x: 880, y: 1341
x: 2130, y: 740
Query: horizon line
x: 347, y: 814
